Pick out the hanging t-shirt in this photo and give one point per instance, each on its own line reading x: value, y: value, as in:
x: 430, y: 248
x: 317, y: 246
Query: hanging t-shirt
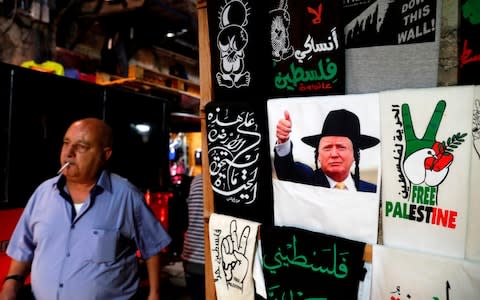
x: 232, y: 245
x: 391, y: 44
x: 307, y: 49
x: 238, y: 164
x: 469, y: 42
x: 426, y: 161
x: 400, y: 274
x: 239, y: 49
x: 308, y: 265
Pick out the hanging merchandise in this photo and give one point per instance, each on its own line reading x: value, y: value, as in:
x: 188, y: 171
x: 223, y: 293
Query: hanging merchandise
x: 307, y: 48
x: 473, y: 239
x: 391, y: 44
x: 400, y: 274
x: 178, y: 158
x: 301, y: 264
x: 238, y: 165
x: 233, y: 243
x: 426, y: 162
x: 469, y: 42
x: 306, y: 166
x: 240, y: 60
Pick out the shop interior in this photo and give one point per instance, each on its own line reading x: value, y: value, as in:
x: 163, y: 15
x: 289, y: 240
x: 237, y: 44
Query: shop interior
x: 146, y: 56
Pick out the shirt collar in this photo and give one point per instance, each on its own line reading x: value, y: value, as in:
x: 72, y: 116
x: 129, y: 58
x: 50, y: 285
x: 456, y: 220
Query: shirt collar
x: 104, y: 182
x: 349, y: 183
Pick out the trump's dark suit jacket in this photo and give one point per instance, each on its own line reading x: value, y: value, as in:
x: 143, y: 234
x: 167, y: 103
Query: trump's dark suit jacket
x: 288, y: 169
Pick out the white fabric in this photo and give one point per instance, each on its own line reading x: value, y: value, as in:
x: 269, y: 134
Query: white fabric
x: 258, y: 277
x: 450, y: 185
x: 348, y: 214
x: 473, y: 236
x: 402, y: 274
x: 77, y: 207
x: 232, y: 245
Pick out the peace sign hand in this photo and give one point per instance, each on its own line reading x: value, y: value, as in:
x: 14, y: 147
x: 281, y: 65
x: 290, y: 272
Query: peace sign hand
x: 235, y: 263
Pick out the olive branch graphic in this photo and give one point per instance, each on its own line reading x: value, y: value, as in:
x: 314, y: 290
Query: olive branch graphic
x: 453, y: 142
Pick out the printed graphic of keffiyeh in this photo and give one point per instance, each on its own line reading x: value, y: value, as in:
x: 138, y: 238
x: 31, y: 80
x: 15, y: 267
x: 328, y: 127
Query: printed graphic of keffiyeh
x: 232, y: 245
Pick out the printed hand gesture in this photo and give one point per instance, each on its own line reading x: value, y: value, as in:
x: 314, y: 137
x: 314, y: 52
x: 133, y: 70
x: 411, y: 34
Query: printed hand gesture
x: 425, y: 159
x: 235, y: 263
x: 284, y: 127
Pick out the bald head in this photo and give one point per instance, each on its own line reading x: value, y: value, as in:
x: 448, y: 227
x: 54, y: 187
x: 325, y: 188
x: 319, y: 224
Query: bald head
x: 87, y: 146
x: 100, y: 130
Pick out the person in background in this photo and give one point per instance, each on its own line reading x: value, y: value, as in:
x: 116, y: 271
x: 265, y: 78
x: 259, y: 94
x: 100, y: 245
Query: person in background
x: 337, y: 147
x: 80, y: 230
x: 193, y: 244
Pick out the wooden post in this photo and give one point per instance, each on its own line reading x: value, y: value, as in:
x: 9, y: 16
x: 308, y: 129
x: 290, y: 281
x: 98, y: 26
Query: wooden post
x: 205, y: 97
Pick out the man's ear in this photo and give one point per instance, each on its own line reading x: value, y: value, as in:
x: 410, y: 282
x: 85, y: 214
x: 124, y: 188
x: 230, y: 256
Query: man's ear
x: 107, y: 153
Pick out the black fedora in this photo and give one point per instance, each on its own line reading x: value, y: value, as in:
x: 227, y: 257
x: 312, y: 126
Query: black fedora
x: 342, y: 123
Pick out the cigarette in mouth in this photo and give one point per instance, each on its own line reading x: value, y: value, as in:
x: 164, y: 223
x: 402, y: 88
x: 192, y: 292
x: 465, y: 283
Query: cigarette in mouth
x: 63, y: 167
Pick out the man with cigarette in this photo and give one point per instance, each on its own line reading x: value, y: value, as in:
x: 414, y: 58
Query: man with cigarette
x: 80, y: 231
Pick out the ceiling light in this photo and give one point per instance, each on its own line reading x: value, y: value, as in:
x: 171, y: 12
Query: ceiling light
x: 141, y: 128
x: 170, y: 34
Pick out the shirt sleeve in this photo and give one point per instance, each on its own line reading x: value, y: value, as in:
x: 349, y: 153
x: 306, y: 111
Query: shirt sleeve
x: 151, y: 235
x: 21, y: 246
x: 283, y: 149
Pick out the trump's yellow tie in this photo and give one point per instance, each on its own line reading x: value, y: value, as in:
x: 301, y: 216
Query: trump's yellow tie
x: 340, y: 186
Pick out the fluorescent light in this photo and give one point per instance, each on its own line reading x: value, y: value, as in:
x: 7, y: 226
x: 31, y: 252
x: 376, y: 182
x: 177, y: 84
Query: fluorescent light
x: 142, y: 128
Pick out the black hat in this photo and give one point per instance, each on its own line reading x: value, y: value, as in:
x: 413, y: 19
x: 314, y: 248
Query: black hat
x: 342, y: 123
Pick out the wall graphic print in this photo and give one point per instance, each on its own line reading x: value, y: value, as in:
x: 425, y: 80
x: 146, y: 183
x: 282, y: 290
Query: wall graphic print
x: 234, y: 152
x: 426, y: 158
x: 300, y: 264
x: 239, y: 55
x: 469, y: 47
x: 279, y: 32
x: 317, y: 143
x: 406, y: 275
x: 398, y: 35
x: 473, y: 238
x: 307, y: 49
x: 231, y: 42
x: 234, y: 141
x: 388, y: 22
x: 232, y: 242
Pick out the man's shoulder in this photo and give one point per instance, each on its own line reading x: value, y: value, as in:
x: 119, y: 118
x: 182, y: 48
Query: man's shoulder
x: 116, y: 184
x: 48, y: 184
x: 120, y: 182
